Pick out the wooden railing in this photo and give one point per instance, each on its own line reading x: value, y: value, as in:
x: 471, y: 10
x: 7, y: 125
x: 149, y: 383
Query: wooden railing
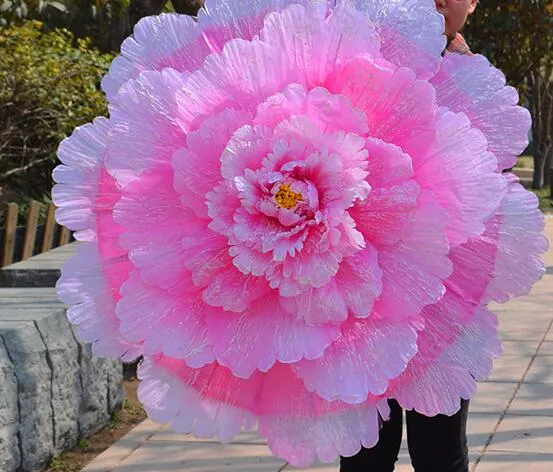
x: 51, y: 234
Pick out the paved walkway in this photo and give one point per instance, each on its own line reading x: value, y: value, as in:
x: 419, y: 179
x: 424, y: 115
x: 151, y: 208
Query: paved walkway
x: 510, y: 426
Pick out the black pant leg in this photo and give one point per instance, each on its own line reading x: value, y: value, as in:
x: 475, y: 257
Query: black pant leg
x: 438, y: 444
x: 383, y: 456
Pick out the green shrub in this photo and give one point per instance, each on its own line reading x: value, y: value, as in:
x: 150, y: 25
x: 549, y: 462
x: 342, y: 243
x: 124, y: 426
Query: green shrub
x: 24, y: 204
x: 47, y: 88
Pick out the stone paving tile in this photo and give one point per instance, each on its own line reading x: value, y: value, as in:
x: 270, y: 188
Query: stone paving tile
x: 518, y: 433
x: 534, y: 399
x: 400, y: 467
x: 510, y: 368
x: 318, y: 467
x: 123, y: 448
x: 493, y: 397
x: 546, y: 349
x: 511, y: 461
x: 523, y: 348
x: 200, y: 457
x: 166, y: 434
x: 403, y: 465
x: 541, y: 370
x: 479, y: 429
x: 515, y: 325
x: 519, y: 335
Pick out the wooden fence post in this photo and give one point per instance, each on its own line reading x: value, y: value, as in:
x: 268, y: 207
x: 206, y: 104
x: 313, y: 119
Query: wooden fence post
x: 9, y: 233
x: 48, y: 240
x: 30, y: 230
x: 65, y: 236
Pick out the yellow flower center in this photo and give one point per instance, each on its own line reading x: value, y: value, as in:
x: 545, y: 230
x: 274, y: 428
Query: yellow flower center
x: 287, y: 198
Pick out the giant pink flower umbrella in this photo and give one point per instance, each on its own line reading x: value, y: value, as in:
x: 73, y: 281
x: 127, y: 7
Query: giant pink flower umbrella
x: 296, y: 211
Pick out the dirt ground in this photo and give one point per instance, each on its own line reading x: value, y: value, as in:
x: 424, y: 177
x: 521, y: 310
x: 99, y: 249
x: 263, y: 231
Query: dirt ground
x: 88, y: 448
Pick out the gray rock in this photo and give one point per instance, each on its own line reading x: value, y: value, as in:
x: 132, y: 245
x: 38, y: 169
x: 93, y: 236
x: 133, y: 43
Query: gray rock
x: 116, y: 393
x: 10, y: 456
x: 102, y: 389
x: 52, y: 389
x: 63, y: 358
x: 34, y: 378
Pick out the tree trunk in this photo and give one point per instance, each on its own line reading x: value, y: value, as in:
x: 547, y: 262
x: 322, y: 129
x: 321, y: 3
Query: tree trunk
x: 123, y: 22
x: 538, y: 177
x: 547, y: 166
x: 549, y: 159
x: 541, y: 83
x: 188, y: 7
x: 138, y: 9
x: 548, y: 130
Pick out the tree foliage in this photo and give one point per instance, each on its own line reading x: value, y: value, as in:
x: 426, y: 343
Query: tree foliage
x: 517, y: 36
x: 47, y: 88
x: 107, y: 22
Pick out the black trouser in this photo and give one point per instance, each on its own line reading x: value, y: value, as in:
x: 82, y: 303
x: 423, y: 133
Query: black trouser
x: 437, y: 444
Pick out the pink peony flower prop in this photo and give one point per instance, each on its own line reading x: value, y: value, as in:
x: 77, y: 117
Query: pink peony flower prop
x: 296, y: 211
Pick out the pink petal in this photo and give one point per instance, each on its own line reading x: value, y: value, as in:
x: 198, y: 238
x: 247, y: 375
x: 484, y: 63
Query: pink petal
x: 331, y: 112
x: 180, y: 42
x: 205, y: 253
x: 173, y: 392
x: 360, y: 281
x: 400, y: 109
x: 315, y: 43
x: 281, y: 106
x: 144, y: 130
x: 354, y: 288
x: 414, y: 269
x: 166, y: 40
x: 385, y: 217
x: 250, y: 261
x: 267, y: 235
x: 222, y: 204
x: 461, y: 172
x: 262, y: 335
x: 479, y: 251
x: 521, y: 245
x: 367, y: 356
x: 165, y: 322
x: 155, y: 248
x: 84, y: 286
x: 318, y: 306
x: 473, y: 86
x: 233, y: 291
x: 198, y: 166
x: 299, y: 426
x: 245, y: 150
x: 387, y: 164
x: 316, y: 270
x: 240, y: 76
x: 438, y: 387
x: 109, y: 233
x: 414, y: 40
x: 224, y: 21
x: 78, y: 178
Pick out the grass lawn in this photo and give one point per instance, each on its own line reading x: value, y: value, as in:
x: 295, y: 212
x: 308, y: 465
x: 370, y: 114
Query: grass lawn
x: 525, y: 162
x: 546, y: 204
